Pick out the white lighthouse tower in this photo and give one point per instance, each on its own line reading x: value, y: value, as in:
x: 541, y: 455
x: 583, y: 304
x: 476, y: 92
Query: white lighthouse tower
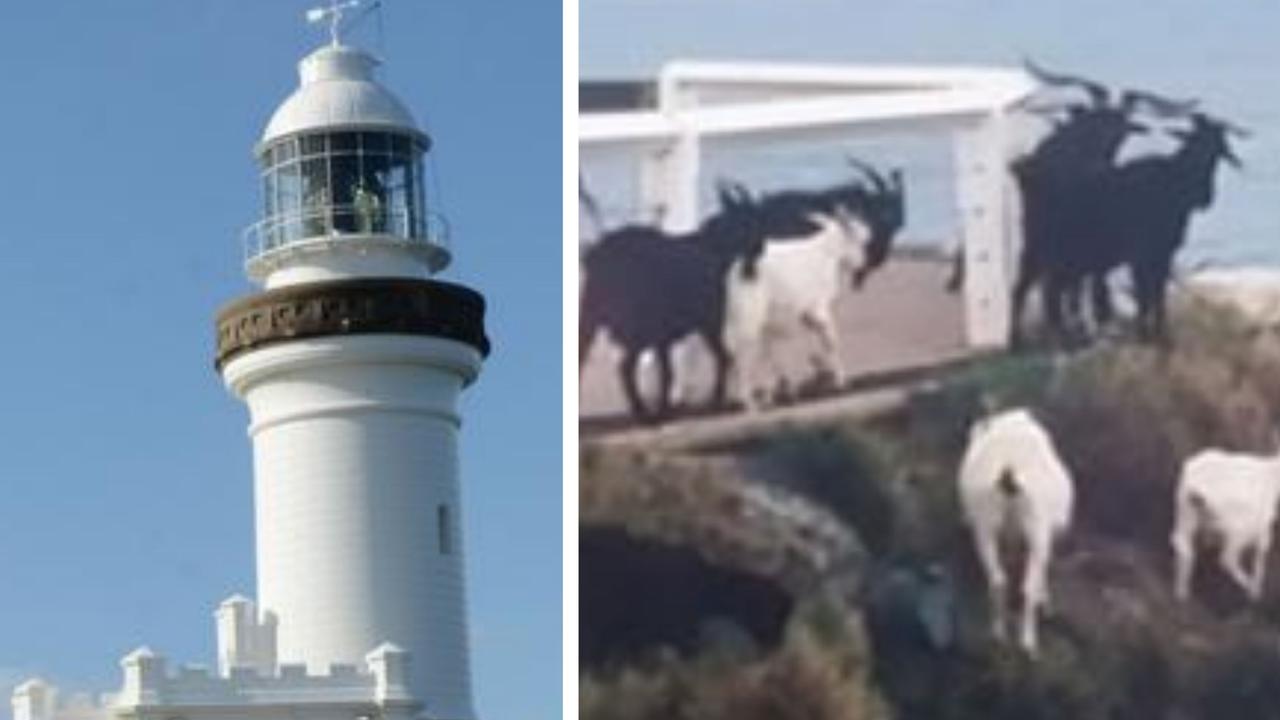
x: 351, y: 360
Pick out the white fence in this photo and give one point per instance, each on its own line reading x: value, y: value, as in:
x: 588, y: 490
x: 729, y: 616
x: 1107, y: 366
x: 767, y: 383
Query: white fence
x: 699, y: 103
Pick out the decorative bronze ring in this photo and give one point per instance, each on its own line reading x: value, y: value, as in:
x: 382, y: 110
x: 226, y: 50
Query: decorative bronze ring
x: 352, y: 307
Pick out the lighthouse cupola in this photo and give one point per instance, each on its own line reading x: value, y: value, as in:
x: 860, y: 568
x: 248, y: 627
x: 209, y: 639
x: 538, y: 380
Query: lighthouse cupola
x: 342, y: 181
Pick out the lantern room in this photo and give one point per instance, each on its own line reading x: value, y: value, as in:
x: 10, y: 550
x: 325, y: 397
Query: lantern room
x: 342, y: 181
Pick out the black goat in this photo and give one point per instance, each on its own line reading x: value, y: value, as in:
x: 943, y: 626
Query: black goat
x: 1143, y: 209
x: 1055, y: 181
x: 651, y: 289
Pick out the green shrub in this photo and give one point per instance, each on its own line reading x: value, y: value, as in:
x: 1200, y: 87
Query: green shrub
x: 820, y: 672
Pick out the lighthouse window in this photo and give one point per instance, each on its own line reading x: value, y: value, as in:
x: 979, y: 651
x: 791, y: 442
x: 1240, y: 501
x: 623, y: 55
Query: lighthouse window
x: 346, y: 174
x: 343, y: 142
x: 445, y: 529
x: 374, y: 143
x: 315, y: 145
x: 340, y: 183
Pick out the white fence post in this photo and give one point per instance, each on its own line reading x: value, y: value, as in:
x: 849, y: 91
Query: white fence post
x: 984, y: 220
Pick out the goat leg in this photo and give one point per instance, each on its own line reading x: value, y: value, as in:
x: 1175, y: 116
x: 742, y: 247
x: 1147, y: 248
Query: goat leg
x: 989, y: 555
x: 1021, y: 288
x: 1262, y: 548
x: 627, y: 376
x: 664, y: 381
x: 724, y: 362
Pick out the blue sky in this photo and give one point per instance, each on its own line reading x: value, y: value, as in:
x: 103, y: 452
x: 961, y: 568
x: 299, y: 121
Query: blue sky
x: 127, y: 176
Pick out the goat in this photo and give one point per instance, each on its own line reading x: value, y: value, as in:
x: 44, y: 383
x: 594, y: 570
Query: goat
x: 651, y: 289
x: 795, y: 283
x: 1233, y: 496
x: 1011, y: 478
x: 1142, y: 210
x: 874, y: 210
x: 1054, y: 181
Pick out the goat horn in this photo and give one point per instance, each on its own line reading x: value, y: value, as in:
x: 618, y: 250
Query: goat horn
x: 872, y: 174
x: 1159, y: 104
x: 1098, y: 93
x: 1228, y: 126
x: 1241, y: 132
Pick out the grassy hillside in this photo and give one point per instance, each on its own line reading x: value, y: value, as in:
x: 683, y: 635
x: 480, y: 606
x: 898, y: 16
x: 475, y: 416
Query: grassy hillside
x: 867, y: 599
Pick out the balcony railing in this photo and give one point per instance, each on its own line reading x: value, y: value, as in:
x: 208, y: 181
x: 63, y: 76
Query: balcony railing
x: 336, y: 223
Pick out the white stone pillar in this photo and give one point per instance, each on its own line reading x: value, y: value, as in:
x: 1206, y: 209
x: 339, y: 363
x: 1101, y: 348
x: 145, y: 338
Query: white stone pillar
x: 33, y: 700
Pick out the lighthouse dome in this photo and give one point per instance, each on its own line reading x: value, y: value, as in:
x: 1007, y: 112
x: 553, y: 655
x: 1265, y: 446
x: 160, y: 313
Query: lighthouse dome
x: 338, y: 90
x: 343, y: 181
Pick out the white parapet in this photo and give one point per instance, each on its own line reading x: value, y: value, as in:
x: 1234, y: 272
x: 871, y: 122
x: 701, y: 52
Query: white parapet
x: 244, y: 639
x: 357, y: 503
x: 375, y: 688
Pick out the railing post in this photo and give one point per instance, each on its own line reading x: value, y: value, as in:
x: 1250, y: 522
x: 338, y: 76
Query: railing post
x: 669, y: 179
x: 985, y: 220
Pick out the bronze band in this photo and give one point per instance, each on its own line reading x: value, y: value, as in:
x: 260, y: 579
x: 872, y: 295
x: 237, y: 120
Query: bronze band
x: 352, y: 307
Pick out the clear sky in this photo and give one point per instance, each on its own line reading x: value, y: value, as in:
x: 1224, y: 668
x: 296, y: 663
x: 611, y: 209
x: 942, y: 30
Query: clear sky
x: 126, y: 514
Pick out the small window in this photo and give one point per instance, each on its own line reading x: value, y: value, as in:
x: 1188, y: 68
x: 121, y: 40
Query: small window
x: 445, y: 528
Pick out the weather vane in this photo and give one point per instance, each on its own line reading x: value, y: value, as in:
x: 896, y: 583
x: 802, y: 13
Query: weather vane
x: 334, y: 14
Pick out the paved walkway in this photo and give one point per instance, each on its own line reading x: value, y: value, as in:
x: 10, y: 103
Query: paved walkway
x: 901, y: 319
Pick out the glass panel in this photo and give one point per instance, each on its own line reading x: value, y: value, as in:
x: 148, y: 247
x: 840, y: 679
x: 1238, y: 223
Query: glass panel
x: 374, y: 143
x: 342, y: 142
x: 289, y: 202
x: 344, y: 180
x: 286, y: 151
x: 370, y: 199
x: 400, y: 145
x: 315, y: 197
x: 314, y: 144
x: 397, y: 197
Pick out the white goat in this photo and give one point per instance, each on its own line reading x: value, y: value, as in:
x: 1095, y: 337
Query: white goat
x: 1232, y: 496
x: 796, y: 283
x: 1011, y: 479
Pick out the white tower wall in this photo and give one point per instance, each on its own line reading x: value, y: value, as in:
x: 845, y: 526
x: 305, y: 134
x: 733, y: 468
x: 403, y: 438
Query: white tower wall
x: 354, y: 446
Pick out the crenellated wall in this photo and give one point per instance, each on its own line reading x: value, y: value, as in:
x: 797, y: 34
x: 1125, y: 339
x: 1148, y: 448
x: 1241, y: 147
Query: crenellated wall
x: 245, y: 686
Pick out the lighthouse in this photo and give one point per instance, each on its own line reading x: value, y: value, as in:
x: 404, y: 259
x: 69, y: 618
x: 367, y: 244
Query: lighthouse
x: 351, y: 359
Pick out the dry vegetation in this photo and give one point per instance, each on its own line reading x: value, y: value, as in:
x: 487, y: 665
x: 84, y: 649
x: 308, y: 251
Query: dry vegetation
x: 1117, y: 646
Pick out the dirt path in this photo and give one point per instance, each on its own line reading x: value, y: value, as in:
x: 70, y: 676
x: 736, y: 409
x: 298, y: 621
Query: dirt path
x: 902, y: 320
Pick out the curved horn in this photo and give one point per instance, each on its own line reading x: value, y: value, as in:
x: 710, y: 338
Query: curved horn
x: 1158, y: 104
x: 881, y: 186
x: 1098, y: 93
x: 1239, y: 131
x: 1226, y: 125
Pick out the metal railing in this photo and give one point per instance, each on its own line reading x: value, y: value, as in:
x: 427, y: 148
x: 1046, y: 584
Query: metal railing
x: 329, y: 223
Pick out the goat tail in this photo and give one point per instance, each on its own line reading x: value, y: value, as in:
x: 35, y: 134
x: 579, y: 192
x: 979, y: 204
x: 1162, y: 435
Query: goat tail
x: 1007, y: 484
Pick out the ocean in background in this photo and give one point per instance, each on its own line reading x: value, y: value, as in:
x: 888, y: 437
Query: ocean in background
x: 1224, y: 54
